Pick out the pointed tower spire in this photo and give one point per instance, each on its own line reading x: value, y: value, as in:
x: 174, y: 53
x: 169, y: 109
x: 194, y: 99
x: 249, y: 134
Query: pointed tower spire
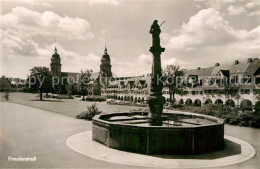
x: 55, y: 50
x: 105, y: 46
x: 55, y: 62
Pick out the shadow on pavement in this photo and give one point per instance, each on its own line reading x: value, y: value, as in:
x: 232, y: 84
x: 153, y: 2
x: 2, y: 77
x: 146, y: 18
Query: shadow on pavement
x: 47, y: 100
x: 229, y: 149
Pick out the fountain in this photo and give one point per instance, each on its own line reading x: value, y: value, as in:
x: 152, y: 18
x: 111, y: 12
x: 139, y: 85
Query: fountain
x: 155, y: 132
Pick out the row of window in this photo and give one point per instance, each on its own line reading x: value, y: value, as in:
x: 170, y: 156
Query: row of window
x: 212, y: 81
x: 4, y: 86
x: 243, y: 91
x: 256, y: 91
x: 224, y: 80
x: 126, y: 92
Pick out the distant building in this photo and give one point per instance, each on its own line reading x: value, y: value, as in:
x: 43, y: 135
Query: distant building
x: 5, y: 84
x: 128, y: 88
x: 105, y: 75
x: 70, y: 84
x: 18, y: 84
x: 207, y: 85
x: 202, y: 85
x: 12, y: 84
x: 56, y: 63
x: 55, y: 66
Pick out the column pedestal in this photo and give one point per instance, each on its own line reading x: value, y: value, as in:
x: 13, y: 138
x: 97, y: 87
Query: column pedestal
x: 156, y: 100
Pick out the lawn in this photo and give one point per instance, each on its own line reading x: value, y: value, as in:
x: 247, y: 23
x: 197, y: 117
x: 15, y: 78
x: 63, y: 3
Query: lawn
x: 69, y: 107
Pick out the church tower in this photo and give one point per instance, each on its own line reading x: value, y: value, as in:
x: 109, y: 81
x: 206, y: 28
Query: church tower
x: 55, y: 63
x: 105, y: 73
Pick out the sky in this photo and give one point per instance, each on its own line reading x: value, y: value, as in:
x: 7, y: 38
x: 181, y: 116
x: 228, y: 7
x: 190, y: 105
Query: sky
x: 196, y: 33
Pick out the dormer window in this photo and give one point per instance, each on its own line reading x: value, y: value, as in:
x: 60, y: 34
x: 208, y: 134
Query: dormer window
x: 257, y: 80
x: 246, y: 79
x: 234, y: 79
x: 211, y: 81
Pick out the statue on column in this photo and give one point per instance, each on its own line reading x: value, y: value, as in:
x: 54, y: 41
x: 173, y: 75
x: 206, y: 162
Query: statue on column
x: 155, y: 31
x: 156, y: 100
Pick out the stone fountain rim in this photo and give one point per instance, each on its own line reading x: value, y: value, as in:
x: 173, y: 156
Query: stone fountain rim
x: 217, y: 121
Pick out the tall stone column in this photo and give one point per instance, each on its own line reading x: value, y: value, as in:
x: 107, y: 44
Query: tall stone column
x: 156, y: 100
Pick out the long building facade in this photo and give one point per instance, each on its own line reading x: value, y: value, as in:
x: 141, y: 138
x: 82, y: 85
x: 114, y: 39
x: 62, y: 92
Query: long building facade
x: 201, y: 85
x: 128, y: 88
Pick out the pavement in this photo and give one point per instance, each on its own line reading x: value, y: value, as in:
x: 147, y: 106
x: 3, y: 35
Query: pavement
x: 31, y: 132
x: 235, y: 151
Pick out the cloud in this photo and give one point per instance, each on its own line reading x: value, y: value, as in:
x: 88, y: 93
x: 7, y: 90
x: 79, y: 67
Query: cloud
x: 254, y: 13
x: 21, y: 33
x: 13, y: 43
x: 142, y: 65
x: 71, y: 60
x: 208, y: 35
x: 217, y: 4
x: 206, y: 28
x: 234, y: 7
x: 145, y: 59
x: 171, y: 61
x: 235, y: 10
x: 47, y: 23
x: 209, y: 28
x: 20, y: 27
x: 253, y: 7
x: 104, y: 2
x: 253, y: 4
x: 35, y: 3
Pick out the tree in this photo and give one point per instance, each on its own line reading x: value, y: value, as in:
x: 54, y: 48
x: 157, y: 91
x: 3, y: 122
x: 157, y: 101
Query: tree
x: 84, y: 80
x: 257, y: 104
x: 40, y: 79
x: 172, y: 75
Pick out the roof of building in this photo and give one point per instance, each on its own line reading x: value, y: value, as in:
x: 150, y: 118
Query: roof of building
x: 244, y: 67
x: 255, y: 64
x: 199, y: 71
x: 70, y: 74
x: 5, y: 78
x: 76, y: 76
x: 17, y: 81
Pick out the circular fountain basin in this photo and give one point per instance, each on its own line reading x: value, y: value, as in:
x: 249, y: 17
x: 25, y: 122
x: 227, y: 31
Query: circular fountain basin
x: 179, y: 133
